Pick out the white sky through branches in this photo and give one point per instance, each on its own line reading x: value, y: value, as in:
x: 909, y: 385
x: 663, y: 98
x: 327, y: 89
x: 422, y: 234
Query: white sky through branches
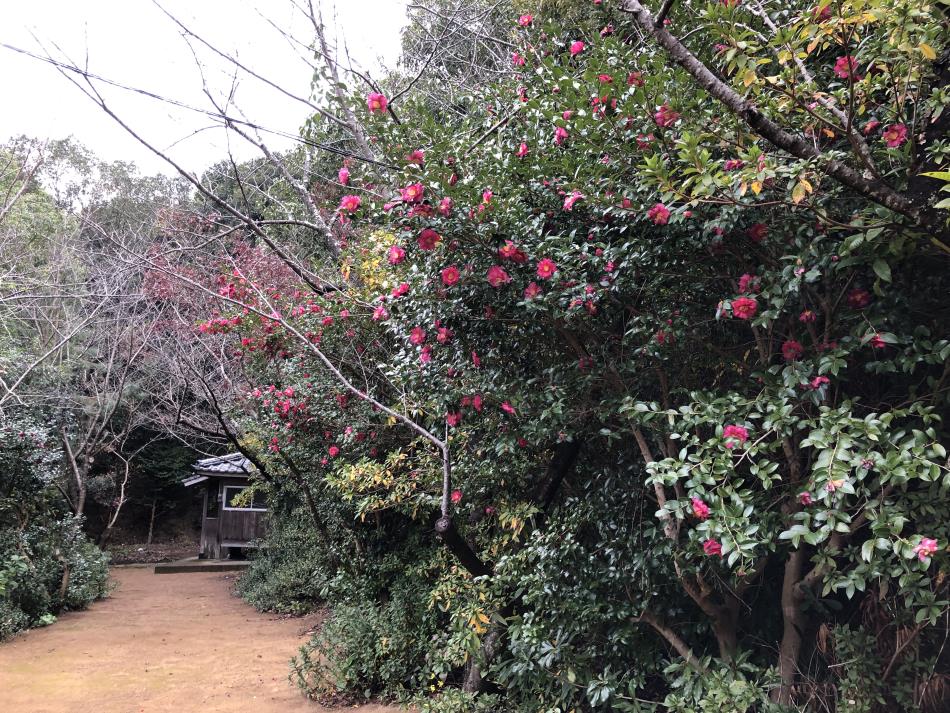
x: 134, y: 43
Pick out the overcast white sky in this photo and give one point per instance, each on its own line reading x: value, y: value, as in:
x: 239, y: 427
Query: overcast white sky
x: 134, y: 43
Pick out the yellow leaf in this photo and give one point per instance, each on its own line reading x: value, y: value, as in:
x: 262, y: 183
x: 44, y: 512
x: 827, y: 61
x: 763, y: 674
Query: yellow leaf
x: 807, y: 184
x: 811, y: 46
x: 798, y: 193
x: 749, y: 77
x: 927, y: 51
x: 756, y: 187
x: 743, y: 188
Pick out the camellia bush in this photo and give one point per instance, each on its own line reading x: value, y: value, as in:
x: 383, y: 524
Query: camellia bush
x: 651, y: 334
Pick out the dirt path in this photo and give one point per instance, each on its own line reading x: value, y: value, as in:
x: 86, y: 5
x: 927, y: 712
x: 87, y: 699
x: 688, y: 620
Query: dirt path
x: 177, y: 643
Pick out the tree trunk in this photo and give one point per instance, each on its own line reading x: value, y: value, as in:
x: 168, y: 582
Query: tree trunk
x: 792, y: 621
x: 151, y: 524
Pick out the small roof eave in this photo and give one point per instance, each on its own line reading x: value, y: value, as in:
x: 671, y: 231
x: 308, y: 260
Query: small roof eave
x: 194, y: 480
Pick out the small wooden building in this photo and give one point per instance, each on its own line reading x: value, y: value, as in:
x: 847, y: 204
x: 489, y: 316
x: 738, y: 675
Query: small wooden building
x: 227, y: 527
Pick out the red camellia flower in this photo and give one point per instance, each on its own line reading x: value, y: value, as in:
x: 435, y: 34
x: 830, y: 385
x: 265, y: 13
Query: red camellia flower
x: 894, y: 135
x: 605, y: 79
x: 659, y: 214
x: 400, y: 290
x: 497, y: 276
x: 925, y: 549
x: 507, y: 408
x: 532, y: 291
x: 792, y: 350
x: 700, y: 509
x: 571, y: 199
x: 350, y: 204
x: 525, y: 20
x: 417, y: 336
x: 454, y: 418
x: 450, y: 275
x: 425, y: 356
x: 428, y: 239
x: 734, y: 434
x: 546, y: 269
x: 744, y: 307
x: 412, y: 193
x: 577, y: 47
x: 445, y: 206
x: 510, y: 251
x: 877, y: 341
x: 644, y: 141
x: 846, y: 68
x: 395, y: 255
x: 333, y: 451
x: 560, y: 134
x: 858, y: 298
x: 376, y: 103
x: 444, y: 335
x: 870, y: 126
x: 807, y: 316
x: 821, y: 14
x: 712, y: 547
x: 818, y: 382
x: 343, y: 175
x: 635, y: 79
x: 517, y: 59
x: 805, y: 498
x: 749, y: 283
x: 476, y: 361
x: 380, y: 314
x: 522, y: 150
x: 665, y: 116
x: 757, y: 232
x: 417, y: 157
x: 456, y: 496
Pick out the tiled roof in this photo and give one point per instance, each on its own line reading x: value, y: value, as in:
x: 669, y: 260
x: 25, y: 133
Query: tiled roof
x: 231, y: 464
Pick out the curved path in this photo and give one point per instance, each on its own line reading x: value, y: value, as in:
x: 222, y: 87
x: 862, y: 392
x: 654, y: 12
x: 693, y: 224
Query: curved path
x: 178, y: 643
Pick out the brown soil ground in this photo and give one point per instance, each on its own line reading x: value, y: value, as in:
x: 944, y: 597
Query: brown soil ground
x: 179, y: 643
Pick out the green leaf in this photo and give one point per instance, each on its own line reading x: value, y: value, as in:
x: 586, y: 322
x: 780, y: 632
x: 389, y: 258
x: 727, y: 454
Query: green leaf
x: 882, y: 270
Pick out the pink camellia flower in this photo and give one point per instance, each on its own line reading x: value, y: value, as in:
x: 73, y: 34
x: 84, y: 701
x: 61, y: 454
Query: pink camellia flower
x: 532, y: 291
x: 525, y: 20
x: 376, y: 103
x: 577, y: 47
x: 733, y: 164
x: 605, y: 79
x: 700, y: 509
x: 522, y: 150
x: 517, y: 59
x: 749, y: 283
x: 453, y: 179
x: 926, y: 548
x: 487, y: 196
x: 571, y: 199
x: 744, y: 307
x: 877, y: 341
x: 453, y: 418
x: 343, y: 176
x: 476, y: 360
x: 644, y: 141
x: 659, y: 214
x: 805, y: 498
x: 792, y: 350
x: 734, y: 435
x: 665, y: 116
x: 807, y: 316
x: 870, y: 126
x: 425, y: 356
x: 846, y: 68
x: 757, y: 232
x: 507, y: 408
x: 412, y: 193
x: 560, y: 135
x: 380, y: 314
x: 894, y: 135
x: 428, y: 239
x: 712, y: 547
x: 334, y: 451
x: 417, y: 336
x: 350, y: 204
x: 445, y: 206
x: 497, y: 276
x: 567, y: 114
x: 456, y: 496
x: 858, y: 298
x: 395, y: 255
x: 818, y: 382
x: 510, y: 251
x: 450, y: 275
x: 477, y: 402
x: 400, y: 290
x: 822, y: 14
x: 443, y: 335
x: 546, y: 269
x: 635, y: 79
x: 417, y: 157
